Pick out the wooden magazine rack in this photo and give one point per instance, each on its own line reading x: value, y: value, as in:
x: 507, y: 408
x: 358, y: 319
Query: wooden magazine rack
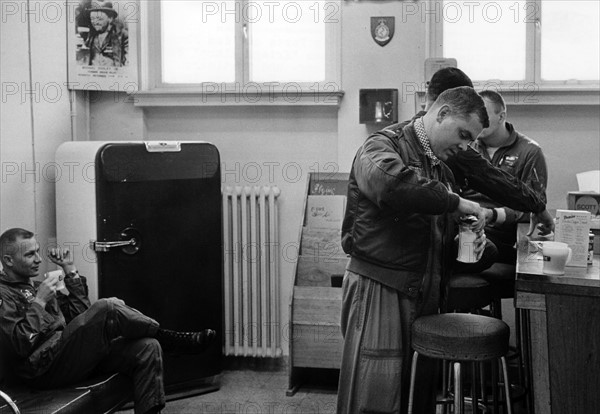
x: 315, y: 307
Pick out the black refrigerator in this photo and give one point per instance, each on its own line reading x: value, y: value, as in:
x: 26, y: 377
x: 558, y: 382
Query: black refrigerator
x: 144, y: 222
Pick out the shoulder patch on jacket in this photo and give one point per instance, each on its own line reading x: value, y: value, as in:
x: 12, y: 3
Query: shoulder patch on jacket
x: 28, y: 294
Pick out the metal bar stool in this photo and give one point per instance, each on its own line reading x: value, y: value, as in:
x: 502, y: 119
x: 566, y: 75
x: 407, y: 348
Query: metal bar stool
x: 466, y: 293
x: 501, y: 277
x: 460, y: 337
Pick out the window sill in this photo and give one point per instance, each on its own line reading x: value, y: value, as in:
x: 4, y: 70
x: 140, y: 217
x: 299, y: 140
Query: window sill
x: 171, y: 98
x: 541, y: 96
x: 552, y: 96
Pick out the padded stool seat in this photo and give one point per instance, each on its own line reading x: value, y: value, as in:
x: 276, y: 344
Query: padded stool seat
x: 460, y: 337
x: 501, y: 277
x: 466, y: 292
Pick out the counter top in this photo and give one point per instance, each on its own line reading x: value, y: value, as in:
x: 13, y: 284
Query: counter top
x: 560, y: 316
x: 576, y: 280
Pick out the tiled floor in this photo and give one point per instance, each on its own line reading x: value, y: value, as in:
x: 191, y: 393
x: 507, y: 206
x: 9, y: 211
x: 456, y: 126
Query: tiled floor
x: 255, y: 392
x: 260, y: 390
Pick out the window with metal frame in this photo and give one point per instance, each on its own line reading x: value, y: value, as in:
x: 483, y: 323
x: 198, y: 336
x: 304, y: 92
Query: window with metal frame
x: 523, y: 45
x: 244, y: 46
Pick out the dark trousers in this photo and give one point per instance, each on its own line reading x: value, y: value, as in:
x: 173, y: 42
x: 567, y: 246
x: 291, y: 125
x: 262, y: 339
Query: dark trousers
x: 487, y: 259
x: 505, y: 241
x: 110, y: 337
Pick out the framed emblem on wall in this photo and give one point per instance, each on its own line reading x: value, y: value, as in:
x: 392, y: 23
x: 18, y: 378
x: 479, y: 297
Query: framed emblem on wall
x: 382, y: 29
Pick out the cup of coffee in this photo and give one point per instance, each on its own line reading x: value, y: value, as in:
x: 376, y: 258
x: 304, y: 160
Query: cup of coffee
x: 58, y: 274
x: 556, y: 256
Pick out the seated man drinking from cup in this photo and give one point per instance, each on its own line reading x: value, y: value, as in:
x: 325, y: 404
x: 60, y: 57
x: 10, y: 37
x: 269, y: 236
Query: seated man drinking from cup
x: 54, y: 339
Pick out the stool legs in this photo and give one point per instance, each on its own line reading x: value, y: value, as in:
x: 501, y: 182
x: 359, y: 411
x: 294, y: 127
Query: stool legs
x: 494, y: 387
x: 525, y: 347
x: 474, y: 385
x: 413, y: 374
x: 459, y: 401
x: 506, y: 386
x: 522, y: 331
x: 521, y: 354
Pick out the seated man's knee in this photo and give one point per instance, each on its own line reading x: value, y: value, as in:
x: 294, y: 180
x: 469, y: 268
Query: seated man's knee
x: 105, y: 306
x: 115, y: 301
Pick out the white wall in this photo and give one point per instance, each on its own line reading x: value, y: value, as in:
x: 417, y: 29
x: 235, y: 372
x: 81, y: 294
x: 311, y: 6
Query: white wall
x: 366, y: 65
x: 17, y: 198
x: 570, y: 138
x: 35, y: 115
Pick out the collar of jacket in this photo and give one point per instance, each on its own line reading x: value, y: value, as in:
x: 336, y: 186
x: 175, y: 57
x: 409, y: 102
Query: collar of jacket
x: 512, y: 138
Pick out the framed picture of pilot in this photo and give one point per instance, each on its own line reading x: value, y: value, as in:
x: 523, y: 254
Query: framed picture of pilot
x: 102, y: 45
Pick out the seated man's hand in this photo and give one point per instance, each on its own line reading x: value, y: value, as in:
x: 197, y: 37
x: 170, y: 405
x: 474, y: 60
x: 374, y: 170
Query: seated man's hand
x: 46, y: 291
x: 61, y: 257
x: 543, y: 222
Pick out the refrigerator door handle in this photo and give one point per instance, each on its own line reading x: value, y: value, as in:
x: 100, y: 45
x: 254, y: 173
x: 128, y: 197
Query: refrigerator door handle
x: 106, y: 246
x: 130, y: 243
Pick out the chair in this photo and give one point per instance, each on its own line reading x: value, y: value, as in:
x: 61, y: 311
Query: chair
x: 459, y: 338
x: 103, y: 394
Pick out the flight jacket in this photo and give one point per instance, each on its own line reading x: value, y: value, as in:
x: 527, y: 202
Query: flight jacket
x: 392, y: 199
x: 30, y: 334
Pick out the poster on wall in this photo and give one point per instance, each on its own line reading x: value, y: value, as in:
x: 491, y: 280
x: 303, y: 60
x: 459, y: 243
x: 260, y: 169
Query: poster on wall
x: 102, y: 45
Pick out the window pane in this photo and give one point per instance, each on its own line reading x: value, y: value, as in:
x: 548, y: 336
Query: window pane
x: 570, y: 40
x: 287, y: 40
x: 487, y: 38
x: 198, y: 41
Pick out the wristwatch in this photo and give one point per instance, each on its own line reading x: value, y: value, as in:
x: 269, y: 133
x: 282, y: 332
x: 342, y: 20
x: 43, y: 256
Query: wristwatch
x: 494, y: 216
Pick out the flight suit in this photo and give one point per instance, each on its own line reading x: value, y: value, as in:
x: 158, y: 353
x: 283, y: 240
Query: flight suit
x: 70, y: 340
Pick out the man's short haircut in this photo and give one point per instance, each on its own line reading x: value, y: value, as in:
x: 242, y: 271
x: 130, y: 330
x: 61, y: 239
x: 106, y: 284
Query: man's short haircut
x: 444, y: 79
x: 464, y: 101
x: 495, y: 98
x: 8, y: 239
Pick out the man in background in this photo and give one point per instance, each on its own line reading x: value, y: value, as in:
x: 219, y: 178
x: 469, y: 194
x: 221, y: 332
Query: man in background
x: 521, y: 157
x: 475, y: 171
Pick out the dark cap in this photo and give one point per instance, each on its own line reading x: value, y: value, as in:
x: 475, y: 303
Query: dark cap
x: 444, y: 79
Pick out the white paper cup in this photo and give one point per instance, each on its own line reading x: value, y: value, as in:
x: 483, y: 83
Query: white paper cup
x: 57, y: 274
x: 556, y: 256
